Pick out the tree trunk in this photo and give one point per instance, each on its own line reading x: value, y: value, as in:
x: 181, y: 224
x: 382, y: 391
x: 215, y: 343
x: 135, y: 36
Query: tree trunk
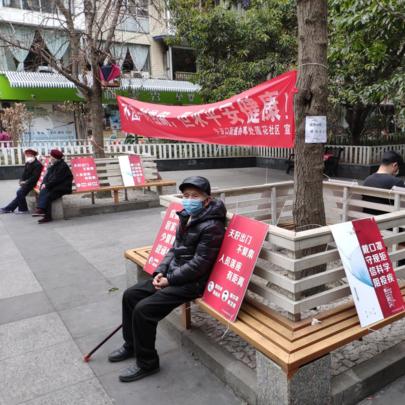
x: 311, y: 99
x: 356, y: 117
x: 97, y: 117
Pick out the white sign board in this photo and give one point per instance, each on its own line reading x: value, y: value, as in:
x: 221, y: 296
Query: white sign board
x: 125, y: 166
x: 363, y: 293
x: 315, y: 129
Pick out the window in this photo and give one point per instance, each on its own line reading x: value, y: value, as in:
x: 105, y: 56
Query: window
x: 135, y: 17
x: 138, y: 8
x: 43, y: 6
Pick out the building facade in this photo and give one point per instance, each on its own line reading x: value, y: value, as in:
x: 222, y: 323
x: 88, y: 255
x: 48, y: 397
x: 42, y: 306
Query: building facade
x: 148, y: 65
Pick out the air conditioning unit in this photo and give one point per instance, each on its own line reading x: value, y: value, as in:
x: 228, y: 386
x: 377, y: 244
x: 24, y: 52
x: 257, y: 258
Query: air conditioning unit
x: 136, y: 74
x: 45, y: 69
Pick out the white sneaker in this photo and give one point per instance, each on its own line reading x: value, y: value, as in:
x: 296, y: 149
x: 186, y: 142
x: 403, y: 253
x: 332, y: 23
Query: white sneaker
x: 21, y: 212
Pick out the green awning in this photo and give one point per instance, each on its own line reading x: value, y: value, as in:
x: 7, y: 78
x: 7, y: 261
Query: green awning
x: 55, y: 88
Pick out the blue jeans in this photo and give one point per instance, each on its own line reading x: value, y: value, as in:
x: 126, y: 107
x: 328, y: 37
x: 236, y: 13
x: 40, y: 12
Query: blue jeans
x: 19, y: 201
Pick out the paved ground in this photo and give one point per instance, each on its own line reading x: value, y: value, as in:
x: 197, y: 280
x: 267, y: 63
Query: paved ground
x: 393, y: 394
x: 57, y: 301
x: 58, y: 298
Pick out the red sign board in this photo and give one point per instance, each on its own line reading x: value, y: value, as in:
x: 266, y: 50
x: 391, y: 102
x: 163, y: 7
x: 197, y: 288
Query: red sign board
x: 131, y: 170
x: 236, y: 260
x: 137, y: 169
x: 45, y: 164
x: 261, y: 116
x: 165, y: 238
x: 85, y: 173
x: 379, y: 266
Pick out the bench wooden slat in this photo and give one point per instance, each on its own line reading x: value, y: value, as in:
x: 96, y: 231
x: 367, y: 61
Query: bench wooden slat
x: 325, y: 346
x: 257, y: 340
x: 265, y: 320
x: 264, y: 330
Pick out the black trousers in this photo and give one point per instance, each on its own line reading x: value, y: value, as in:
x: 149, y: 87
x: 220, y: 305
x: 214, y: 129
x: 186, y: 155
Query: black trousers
x: 45, y: 199
x: 142, y: 308
x: 19, y: 201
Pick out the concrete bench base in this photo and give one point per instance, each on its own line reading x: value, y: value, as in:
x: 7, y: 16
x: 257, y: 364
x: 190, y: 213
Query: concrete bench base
x: 57, y: 207
x: 63, y: 210
x: 311, y: 384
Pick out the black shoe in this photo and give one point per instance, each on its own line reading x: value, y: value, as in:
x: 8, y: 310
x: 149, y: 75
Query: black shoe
x: 120, y: 354
x: 135, y: 373
x: 44, y: 220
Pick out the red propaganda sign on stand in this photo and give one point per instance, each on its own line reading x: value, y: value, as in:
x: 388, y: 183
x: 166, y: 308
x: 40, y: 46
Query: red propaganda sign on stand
x: 235, y: 263
x: 164, y: 239
x: 131, y: 170
x: 85, y: 173
x: 45, y: 164
x: 379, y: 266
x: 368, y: 269
x: 261, y: 116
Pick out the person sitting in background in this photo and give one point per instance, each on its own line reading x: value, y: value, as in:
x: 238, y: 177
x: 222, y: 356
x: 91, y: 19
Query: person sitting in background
x: 385, y: 177
x: 57, y: 182
x: 32, y: 172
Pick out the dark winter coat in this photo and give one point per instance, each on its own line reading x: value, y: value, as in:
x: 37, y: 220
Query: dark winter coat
x: 58, y: 178
x: 196, y: 247
x: 32, y: 172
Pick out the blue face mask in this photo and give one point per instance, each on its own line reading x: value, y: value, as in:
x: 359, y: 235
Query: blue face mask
x: 193, y: 207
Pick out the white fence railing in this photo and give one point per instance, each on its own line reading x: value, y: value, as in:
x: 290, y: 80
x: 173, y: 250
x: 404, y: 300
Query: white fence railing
x: 361, y: 155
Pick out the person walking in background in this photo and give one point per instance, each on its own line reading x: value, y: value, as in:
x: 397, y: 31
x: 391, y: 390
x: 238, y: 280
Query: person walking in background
x: 57, y: 182
x: 29, y: 178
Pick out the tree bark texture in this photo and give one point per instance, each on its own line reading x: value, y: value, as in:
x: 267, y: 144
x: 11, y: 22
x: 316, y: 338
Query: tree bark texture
x: 311, y: 99
x: 97, y: 116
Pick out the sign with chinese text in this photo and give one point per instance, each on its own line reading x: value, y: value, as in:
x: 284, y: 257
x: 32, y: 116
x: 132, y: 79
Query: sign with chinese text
x: 165, y: 238
x: 368, y: 269
x: 263, y: 116
x: 236, y: 260
x: 85, y: 173
x: 131, y: 170
x: 315, y: 129
x: 45, y: 164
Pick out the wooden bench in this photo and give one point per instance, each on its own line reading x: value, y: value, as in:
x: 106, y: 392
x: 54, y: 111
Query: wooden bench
x: 289, y: 344
x: 109, y: 174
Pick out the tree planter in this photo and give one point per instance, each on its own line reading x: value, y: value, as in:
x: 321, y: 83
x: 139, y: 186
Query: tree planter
x: 282, y: 277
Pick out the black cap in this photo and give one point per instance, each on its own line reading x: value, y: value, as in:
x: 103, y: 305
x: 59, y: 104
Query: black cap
x: 390, y: 156
x: 197, y: 182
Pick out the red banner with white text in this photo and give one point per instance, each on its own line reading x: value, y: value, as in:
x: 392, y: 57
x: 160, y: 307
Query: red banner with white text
x: 261, y: 116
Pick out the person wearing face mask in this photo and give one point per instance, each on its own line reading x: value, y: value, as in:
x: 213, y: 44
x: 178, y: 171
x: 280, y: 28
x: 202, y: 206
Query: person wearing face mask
x: 56, y: 183
x: 180, y: 277
x: 32, y: 172
x: 385, y: 177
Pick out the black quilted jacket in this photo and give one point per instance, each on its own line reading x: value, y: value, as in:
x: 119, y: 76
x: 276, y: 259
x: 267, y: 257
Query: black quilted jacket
x: 196, y: 247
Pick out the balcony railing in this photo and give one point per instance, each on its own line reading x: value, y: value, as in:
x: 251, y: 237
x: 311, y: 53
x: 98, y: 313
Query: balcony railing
x: 187, y: 76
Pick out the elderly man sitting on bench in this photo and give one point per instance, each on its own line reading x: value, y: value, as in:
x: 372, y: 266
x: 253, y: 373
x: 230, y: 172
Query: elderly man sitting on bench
x: 180, y: 278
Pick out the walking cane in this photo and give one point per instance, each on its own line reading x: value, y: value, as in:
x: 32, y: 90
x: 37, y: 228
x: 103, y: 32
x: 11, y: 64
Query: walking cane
x: 86, y: 358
